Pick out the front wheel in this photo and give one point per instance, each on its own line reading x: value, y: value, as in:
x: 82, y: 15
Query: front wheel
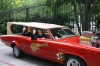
x: 74, y: 61
x: 17, y: 52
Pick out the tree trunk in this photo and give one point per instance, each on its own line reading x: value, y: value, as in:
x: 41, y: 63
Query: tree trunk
x: 88, y: 12
x: 76, y: 17
x: 86, y: 23
x: 81, y: 13
x: 27, y: 15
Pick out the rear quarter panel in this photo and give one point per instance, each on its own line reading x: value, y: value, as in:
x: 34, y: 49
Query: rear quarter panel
x: 23, y: 42
x: 9, y: 39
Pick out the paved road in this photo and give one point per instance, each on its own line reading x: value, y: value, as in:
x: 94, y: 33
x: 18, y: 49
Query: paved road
x: 7, y: 59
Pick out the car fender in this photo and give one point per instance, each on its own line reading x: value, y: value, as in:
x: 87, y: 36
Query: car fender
x: 77, y: 55
x: 15, y: 43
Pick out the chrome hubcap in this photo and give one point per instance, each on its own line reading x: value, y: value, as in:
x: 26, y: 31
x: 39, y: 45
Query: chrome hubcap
x: 16, y: 51
x: 73, y: 62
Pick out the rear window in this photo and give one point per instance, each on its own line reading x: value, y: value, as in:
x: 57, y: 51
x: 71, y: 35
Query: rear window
x: 16, y: 29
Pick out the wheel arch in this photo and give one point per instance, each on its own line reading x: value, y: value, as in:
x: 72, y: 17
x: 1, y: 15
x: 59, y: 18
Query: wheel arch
x: 80, y: 57
x: 14, y: 43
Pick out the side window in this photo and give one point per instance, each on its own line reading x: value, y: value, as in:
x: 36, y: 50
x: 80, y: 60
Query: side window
x: 40, y: 33
x: 60, y: 32
x: 16, y: 29
x: 69, y: 32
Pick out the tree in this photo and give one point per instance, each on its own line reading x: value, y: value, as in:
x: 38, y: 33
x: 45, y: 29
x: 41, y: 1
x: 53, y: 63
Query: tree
x: 88, y: 11
x: 76, y: 15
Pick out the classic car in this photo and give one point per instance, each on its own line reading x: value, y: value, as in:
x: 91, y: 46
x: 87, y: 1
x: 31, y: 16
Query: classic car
x: 65, y: 49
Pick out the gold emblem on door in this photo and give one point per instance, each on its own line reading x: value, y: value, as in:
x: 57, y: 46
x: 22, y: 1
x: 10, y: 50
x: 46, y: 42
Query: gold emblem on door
x: 36, y: 46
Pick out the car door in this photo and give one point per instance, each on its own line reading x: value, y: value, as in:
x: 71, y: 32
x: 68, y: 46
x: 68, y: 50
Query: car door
x: 43, y: 47
x: 26, y: 44
x: 40, y: 47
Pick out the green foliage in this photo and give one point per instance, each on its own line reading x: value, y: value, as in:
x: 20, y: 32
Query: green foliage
x: 53, y: 11
x: 3, y: 28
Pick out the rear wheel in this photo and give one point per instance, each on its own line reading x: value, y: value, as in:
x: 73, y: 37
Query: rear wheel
x: 74, y: 61
x: 17, y: 52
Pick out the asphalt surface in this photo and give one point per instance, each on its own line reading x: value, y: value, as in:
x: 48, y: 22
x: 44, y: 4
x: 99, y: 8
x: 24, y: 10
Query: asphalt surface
x: 7, y: 59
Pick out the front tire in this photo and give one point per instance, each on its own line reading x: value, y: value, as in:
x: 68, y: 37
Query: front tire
x: 74, y: 61
x: 17, y: 52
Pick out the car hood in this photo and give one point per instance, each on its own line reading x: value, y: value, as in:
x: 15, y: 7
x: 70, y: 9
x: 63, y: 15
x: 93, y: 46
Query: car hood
x: 72, y: 40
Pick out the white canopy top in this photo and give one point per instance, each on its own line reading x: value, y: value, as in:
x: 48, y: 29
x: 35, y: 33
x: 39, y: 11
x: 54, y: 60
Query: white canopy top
x: 37, y: 25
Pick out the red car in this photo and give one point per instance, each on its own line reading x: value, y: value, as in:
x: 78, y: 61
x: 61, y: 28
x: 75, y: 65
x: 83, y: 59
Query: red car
x: 59, y: 45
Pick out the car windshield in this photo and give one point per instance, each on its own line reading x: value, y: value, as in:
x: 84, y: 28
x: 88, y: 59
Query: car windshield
x: 61, y: 33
